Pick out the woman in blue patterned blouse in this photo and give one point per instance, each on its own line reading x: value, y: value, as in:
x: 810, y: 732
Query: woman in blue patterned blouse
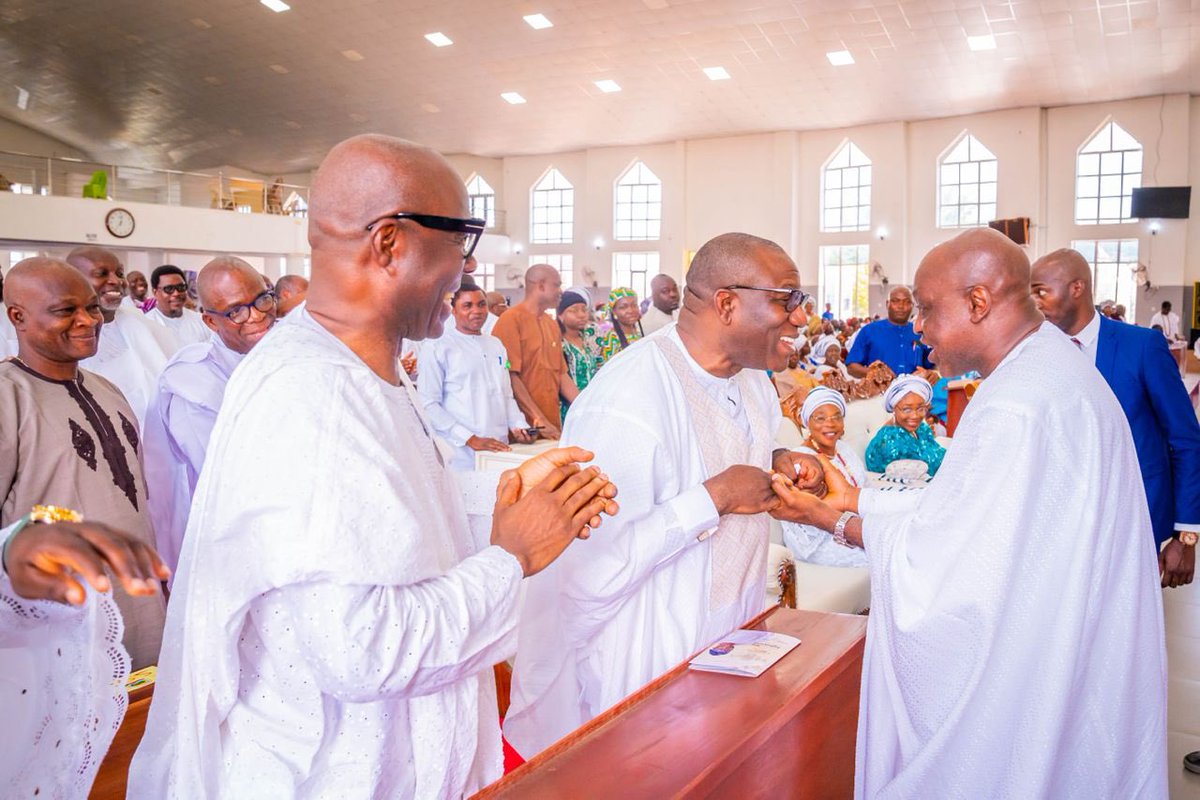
x: 908, y: 435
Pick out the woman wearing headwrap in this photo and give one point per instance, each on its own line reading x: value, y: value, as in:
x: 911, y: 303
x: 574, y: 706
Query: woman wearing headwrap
x: 824, y: 417
x: 827, y: 353
x: 579, y: 341
x: 622, y: 326
x: 908, y: 436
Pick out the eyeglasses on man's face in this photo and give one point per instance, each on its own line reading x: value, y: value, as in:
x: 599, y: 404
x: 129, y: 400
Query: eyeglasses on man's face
x: 795, y: 297
x: 173, y: 288
x: 468, y: 230
x: 239, y: 314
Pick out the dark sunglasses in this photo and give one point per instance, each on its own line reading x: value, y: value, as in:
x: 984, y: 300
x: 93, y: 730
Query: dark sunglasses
x: 468, y: 229
x: 174, y: 288
x: 795, y: 297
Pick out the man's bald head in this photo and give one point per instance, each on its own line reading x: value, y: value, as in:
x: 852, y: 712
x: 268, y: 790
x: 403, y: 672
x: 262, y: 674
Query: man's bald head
x: 1061, y: 283
x: 290, y: 291
x: 497, y: 303
x: 231, y: 292
x: 55, y: 313
x: 728, y: 259
x: 373, y: 273
x: 543, y: 286
x: 972, y: 296
x: 221, y: 272
x: 664, y: 293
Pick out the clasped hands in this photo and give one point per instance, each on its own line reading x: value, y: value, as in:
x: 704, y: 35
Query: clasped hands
x: 801, y: 488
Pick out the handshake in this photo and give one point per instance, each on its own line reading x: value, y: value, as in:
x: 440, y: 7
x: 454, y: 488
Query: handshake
x: 800, y: 488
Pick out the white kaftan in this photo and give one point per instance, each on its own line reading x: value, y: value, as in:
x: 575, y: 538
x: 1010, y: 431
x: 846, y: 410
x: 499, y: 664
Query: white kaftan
x: 130, y: 356
x: 1015, y: 644
x: 330, y: 634
x: 62, y: 691
x: 466, y: 391
x: 175, y: 436
x: 637, y: 597
x: 8, y: 335
x: 189, y: 328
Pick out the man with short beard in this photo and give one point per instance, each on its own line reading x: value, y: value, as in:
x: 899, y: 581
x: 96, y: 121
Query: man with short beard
x: 239, y: 309
x: 890, y: 340
x: 664, y: 302
x: 182, y: 325
x: 465, y: 386
x: 138, y: 287
x: 131, y: 354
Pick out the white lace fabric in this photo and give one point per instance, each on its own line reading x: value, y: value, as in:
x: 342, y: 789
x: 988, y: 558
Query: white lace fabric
x: 62, y: 692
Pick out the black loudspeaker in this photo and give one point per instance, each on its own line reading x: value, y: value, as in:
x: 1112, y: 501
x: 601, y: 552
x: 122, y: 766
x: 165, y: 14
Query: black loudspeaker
x: 1016, y: 228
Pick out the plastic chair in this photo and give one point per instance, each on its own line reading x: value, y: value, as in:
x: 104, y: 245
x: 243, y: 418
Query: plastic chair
x: 97, y: 187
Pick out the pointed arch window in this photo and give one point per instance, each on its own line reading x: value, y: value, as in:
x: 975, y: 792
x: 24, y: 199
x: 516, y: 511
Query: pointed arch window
x: 967, y: 183
x: 483, y: 199
x: 846, y: 191
x: 552, y: 220
x: 637, y: 215
x: 1107, y: 170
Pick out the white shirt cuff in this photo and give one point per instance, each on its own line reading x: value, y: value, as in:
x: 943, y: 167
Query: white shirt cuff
x: 5, y: 535
x: 459, y: 435
x: 1193, y: 527
x: 695, y: 511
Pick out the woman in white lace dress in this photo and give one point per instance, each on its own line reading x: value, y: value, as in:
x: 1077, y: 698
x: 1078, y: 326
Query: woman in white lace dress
x: 824, y: 418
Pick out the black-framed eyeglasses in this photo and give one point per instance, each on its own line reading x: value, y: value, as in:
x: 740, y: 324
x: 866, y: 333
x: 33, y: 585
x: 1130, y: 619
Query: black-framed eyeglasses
x: 265, y: 302
x: 795, y: 297
x: 173, y: 288
x: 469, y: 229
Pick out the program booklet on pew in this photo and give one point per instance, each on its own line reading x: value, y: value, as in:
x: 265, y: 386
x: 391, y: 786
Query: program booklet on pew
x: 744, y: 652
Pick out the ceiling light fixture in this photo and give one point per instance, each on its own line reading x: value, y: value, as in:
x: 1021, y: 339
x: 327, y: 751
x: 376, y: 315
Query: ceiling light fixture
x: 430, y: 107
x: 538, y: 21
x: 22, y: 98
x: 280, y: 68
x: 717, y: 73
x: 352, y: 55
x: 608, y: 86
x: 840, y: 58
x: 439, y: 39
x: 985, y: 42
x: 275, y: 5
x: 202, y: 24
x: 513, y: 97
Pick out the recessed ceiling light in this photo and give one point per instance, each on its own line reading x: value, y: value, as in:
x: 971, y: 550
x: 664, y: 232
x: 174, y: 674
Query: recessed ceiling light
x: 717, y: 73
x: 234, y: 131
x: 439, y: 39
x: 608, y: 86
x: 430, y: 107
x: 513, y: 97
x: 538, y: 21
x: 275, y: 5
x: 213, y: 80
x: 985, y: 42
x: 202, y: 24
x: 291, y: 123
x: 22, y: 98
x: 352, y: 55
x: 840, y: 58
x: 280, y: 68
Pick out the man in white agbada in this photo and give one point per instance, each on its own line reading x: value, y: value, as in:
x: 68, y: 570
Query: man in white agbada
x: 131, y: 352
x: 239, y: 309
x: 1015, y: 644
x: 685, y: 423
x: 331, y: 632
x: 181, y: 325
x: 62, y: 664
x: 465, y: 386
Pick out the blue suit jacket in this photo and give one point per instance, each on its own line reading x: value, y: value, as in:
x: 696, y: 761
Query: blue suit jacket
x: 1138, y: 367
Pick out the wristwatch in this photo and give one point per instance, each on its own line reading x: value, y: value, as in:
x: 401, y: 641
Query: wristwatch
x: 36, y: 515
x: 839, y: 530
x: 1188, y: 538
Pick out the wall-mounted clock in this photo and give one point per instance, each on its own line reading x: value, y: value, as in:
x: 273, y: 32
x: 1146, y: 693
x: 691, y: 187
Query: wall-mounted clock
x: 119, y: 223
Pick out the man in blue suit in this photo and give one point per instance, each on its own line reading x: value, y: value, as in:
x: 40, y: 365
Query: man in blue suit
x: 1139, y: 369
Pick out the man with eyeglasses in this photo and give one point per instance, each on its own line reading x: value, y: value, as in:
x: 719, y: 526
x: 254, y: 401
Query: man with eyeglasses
x: 685, y: 423
x: 182, y: 325
x: 333, y: 624
x: 132, y: 349
x: 239, y: 309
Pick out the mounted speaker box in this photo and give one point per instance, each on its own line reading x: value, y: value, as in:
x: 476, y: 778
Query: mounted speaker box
x: 1016, y: 228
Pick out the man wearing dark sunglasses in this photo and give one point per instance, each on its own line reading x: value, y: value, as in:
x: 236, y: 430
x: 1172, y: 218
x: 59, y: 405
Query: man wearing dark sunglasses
x: 239, y: 309
x: 334, y: 623
x: 183, y: 326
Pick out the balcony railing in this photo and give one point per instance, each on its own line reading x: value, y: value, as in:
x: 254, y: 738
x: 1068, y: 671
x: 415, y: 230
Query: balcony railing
x: 23, y: 173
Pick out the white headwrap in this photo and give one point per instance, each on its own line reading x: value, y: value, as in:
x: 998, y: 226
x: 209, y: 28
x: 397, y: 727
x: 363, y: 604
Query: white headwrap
x: 821, y: 396
x: 906, y: 384
x: 822, y: 347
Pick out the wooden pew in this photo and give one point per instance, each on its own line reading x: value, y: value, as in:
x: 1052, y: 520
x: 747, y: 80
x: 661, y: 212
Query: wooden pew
x: 788, y: 733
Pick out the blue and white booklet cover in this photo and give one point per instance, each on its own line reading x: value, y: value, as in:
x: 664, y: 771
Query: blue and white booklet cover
x: 744, y: 652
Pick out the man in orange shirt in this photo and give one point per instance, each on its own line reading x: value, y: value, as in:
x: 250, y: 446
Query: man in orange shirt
x: 534, y: 344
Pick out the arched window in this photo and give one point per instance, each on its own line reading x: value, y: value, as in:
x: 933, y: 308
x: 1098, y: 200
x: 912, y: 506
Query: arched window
x: 638, y: 211
x: 966, y: 185
x: 553, y: 218
x: 846, y: 191
x: 1107, y: 170
x: 483, y: 200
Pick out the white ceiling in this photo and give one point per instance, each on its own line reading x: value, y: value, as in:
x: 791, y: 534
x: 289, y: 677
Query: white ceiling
x: 193, y: 84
